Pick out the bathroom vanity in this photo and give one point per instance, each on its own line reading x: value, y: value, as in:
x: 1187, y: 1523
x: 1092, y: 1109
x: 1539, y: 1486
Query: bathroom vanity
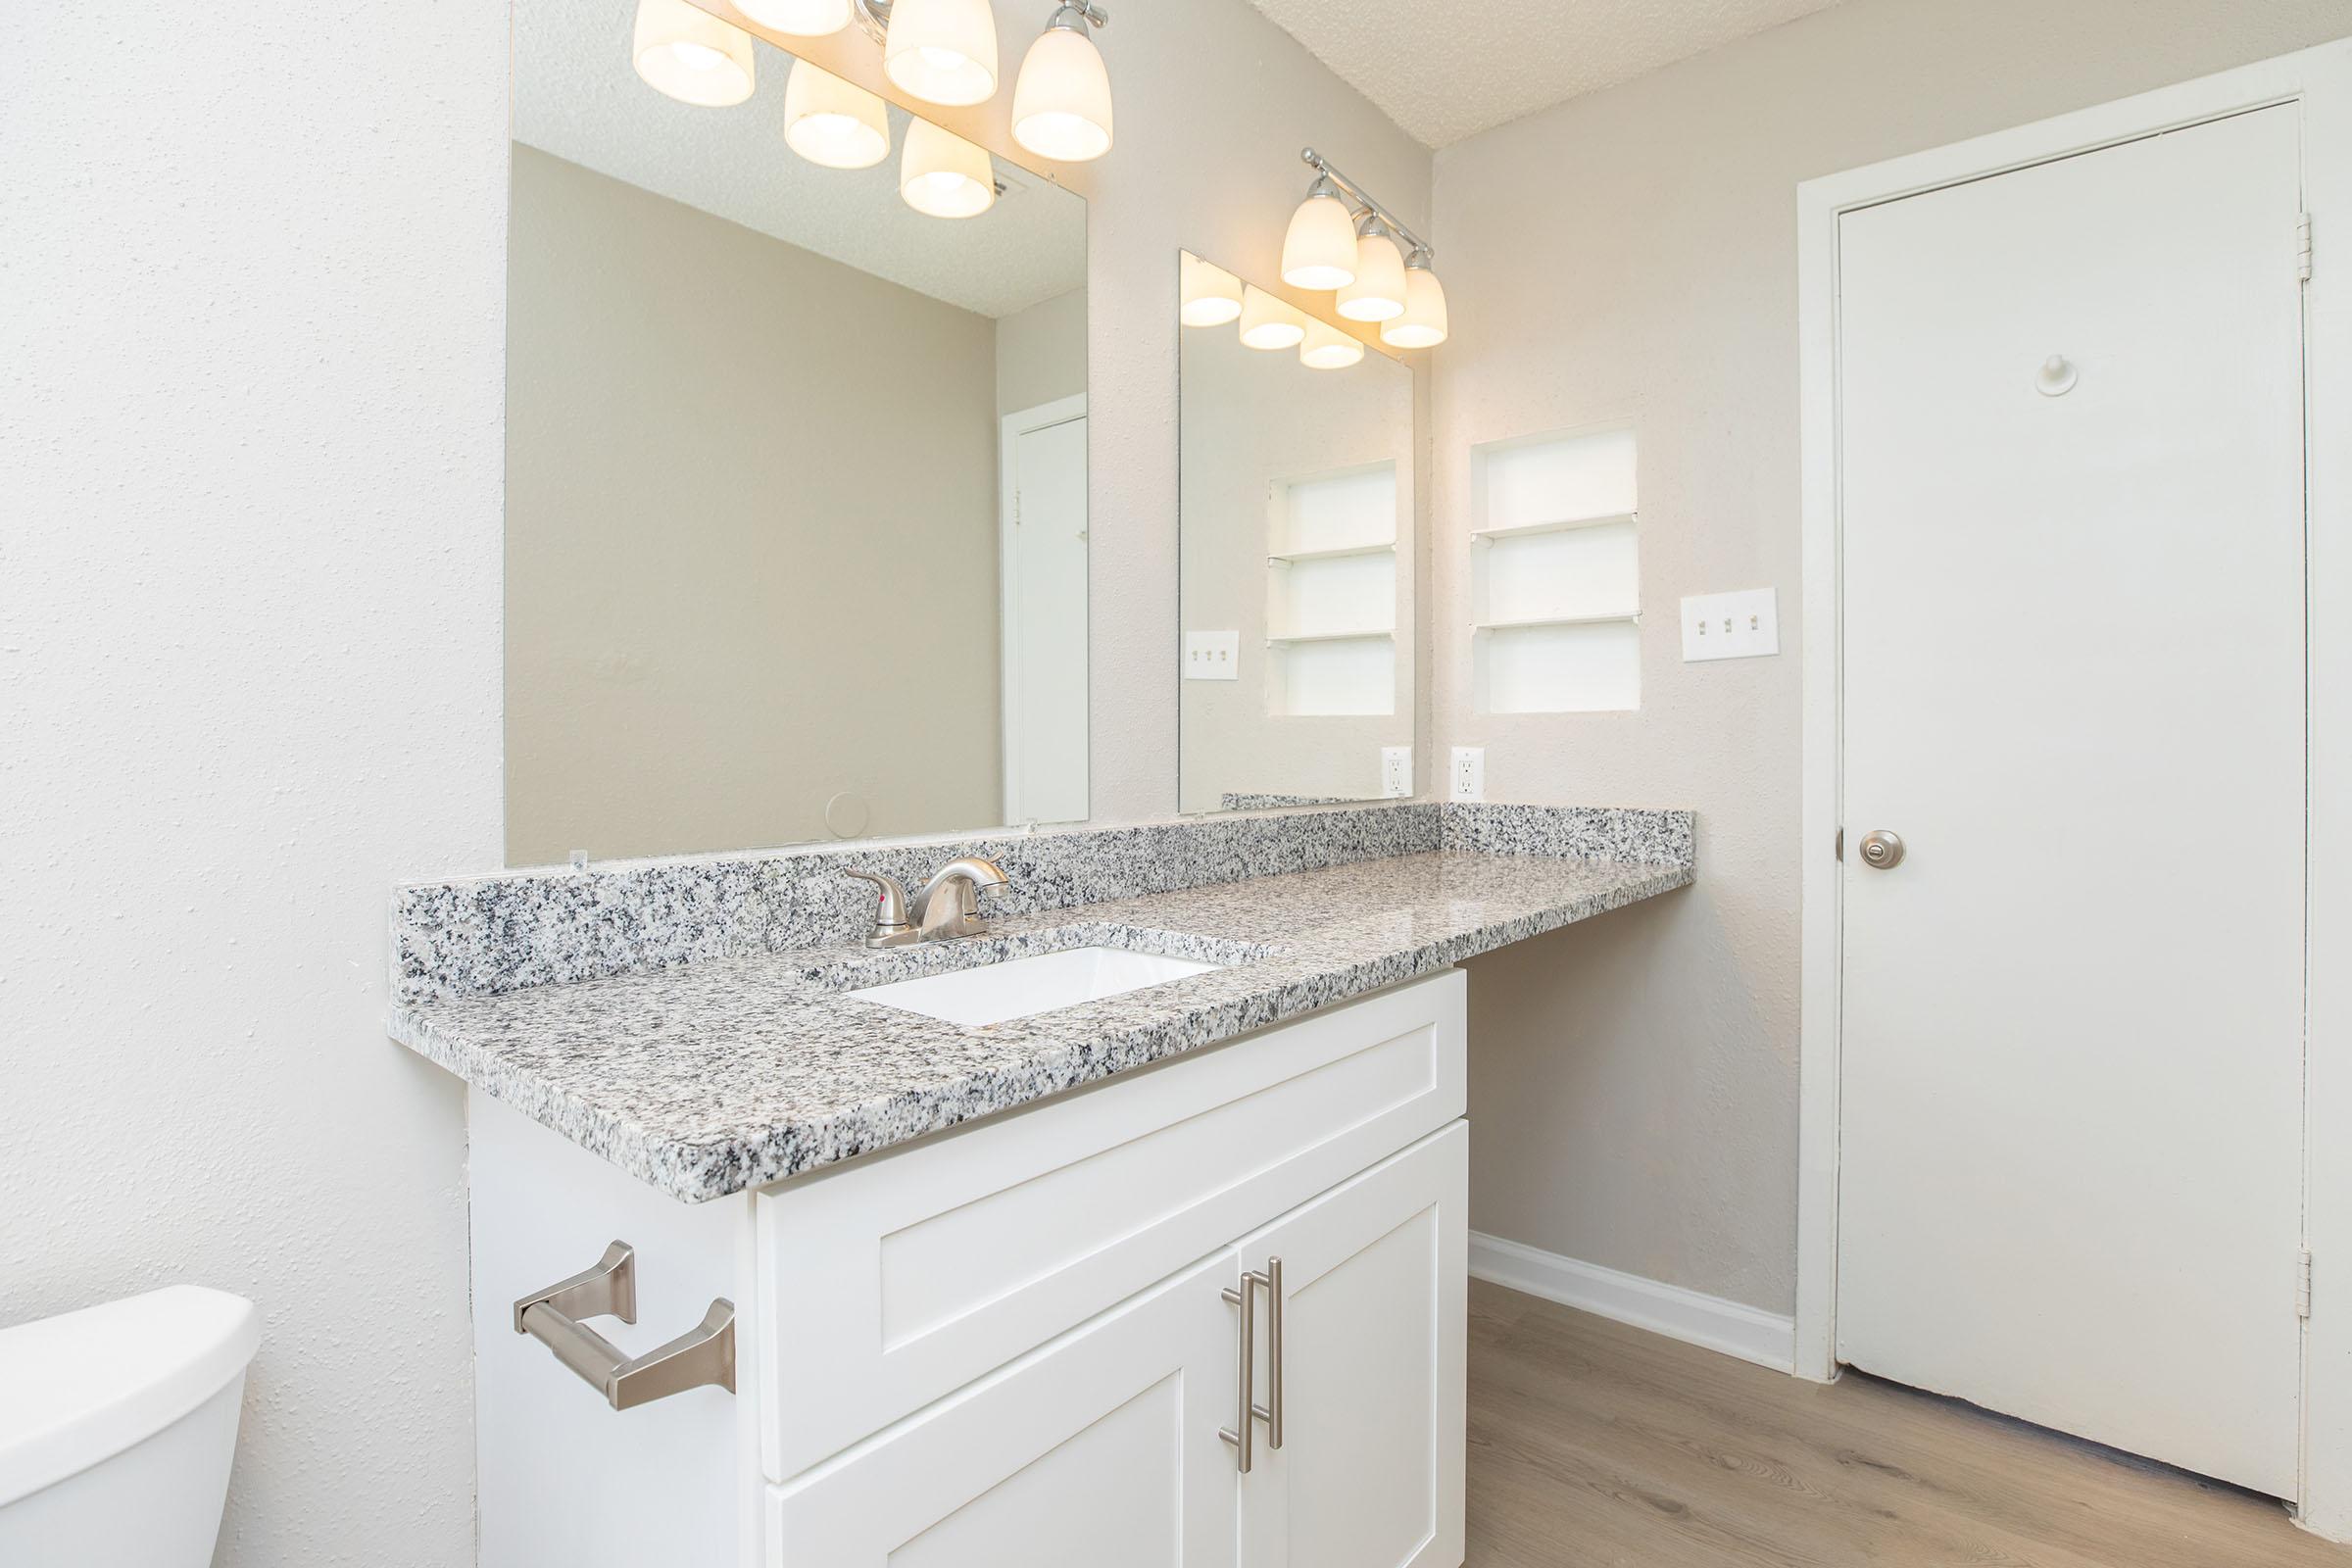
x: 1173, y: 1274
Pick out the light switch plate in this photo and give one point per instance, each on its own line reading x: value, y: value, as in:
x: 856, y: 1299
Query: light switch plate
x: 1395, y: 771
x: 1469, y: 773
x: 1212, y: 656
x: 1736, y: 625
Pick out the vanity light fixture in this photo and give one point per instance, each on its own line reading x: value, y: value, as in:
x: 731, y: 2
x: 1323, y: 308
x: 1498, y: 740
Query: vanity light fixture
x: 942, y: 175
x: 1423, y: 323
x: 1377, y: 291
x: 1207, y: 295
x: 942, y: 51
x: 1327, y: 348
x: 1342, y: 238
x: 799, y: 19
x: 833, y: 122
x: 1061, y: 100
x: 1269, y: 323
x: 691, y: 55
x: 1320, y: 249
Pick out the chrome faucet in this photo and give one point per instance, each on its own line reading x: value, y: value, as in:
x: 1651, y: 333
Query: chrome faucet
x: 946, y: 906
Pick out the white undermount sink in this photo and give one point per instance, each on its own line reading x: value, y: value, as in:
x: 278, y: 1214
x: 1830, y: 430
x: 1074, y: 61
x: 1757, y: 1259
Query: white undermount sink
x: 992, y: 992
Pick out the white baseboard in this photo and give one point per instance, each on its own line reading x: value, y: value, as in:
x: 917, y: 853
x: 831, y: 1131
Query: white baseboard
x: 1732, y: 1327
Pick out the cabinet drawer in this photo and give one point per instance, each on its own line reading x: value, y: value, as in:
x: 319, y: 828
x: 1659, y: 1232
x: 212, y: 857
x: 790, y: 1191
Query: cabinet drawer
x: 888, y: 1284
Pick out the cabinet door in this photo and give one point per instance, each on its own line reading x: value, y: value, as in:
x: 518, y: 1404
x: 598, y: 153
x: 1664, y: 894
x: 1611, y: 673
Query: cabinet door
x: 1374, y: 1289
x: 1099, y: 1450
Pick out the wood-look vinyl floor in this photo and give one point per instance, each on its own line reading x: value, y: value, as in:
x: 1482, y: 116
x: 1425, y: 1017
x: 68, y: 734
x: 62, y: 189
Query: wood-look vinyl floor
x: 1598, y: 1446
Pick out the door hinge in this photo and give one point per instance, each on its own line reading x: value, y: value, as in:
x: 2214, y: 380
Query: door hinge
x: 2303, y: 247
x: 2303, y: 1283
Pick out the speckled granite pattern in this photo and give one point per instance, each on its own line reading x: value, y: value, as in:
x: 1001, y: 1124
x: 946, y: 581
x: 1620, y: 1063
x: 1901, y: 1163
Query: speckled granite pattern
x: 1586, y: 832
x: 482, y: 936
x: 736, y: 1071
x: 1232, y: 801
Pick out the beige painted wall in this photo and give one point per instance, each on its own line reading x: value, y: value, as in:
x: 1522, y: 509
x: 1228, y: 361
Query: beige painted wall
x: 1040, y: 352
x: 1213, y: 104
x: 1631, y: 255
x: 1250, y: 419
x: 724, y: 500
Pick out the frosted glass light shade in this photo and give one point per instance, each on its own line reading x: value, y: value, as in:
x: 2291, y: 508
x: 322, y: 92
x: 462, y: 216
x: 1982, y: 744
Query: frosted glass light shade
x: 1320, y: 249
x: 1268, y: 323
x: 1423, y: 323
x: 943, y: 51
x: 1207, y: 295
x: 831, y: 122
x: 1377, y: 292
x: 1327, y: 348
x: 943, y: 174
x: 1061, y: 100
x: 802, y: 19
x: 691, y: 55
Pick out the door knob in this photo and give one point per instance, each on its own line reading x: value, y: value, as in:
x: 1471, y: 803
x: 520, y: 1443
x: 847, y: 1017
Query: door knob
x: 1882, y: 850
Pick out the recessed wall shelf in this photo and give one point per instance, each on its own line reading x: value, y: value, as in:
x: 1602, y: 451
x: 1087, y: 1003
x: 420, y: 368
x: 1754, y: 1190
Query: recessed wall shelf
x: 1606, y: 618
x: 1555, y: 579
x: 1331, y: 636
x: 1521, y: 530
x: 1331, y: 587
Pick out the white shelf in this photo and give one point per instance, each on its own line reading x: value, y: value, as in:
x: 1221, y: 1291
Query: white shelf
x: 1609, y: 617
x: 1332, y: 636
x: 1522, y: 530
x: 1335, y: 553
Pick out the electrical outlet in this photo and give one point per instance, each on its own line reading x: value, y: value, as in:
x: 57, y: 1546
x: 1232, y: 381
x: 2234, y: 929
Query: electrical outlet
x: 1395, y: 771
x: 1736, y: 625
x: 1212, y: 656
x: 1469, y: 773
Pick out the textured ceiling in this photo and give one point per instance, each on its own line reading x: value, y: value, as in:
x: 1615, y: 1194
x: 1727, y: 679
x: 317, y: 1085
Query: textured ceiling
x: 1444, y: 72
x: 578, y: 96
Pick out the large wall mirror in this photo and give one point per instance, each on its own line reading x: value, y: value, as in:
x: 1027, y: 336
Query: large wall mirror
x: 796, y: 470
x: 1298, y: 556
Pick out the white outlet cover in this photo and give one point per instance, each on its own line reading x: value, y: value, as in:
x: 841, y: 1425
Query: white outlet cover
x: 1212, y: 656
x: 1468, y: 775
x: 1395, y: 771
x: 1736, y: 625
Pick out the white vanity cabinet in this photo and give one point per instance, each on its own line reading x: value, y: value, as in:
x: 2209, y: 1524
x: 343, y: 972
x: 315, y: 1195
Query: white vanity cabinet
x: 1019, y: 1341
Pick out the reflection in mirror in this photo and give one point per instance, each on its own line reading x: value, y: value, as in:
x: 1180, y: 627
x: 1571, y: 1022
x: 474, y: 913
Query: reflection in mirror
x: 796, y: 470
x: 1297, y: 511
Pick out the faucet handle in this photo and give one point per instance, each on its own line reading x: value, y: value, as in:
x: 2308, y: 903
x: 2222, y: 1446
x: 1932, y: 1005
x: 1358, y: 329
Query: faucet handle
x: 891, y: 925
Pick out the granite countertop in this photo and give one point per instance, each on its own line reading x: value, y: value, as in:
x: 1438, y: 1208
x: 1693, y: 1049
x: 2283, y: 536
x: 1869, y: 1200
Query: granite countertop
x: 732, y: 1072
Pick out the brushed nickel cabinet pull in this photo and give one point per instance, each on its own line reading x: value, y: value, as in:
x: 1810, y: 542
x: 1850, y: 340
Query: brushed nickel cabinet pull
x: 1270, y: 1413
x: 703, y: 1354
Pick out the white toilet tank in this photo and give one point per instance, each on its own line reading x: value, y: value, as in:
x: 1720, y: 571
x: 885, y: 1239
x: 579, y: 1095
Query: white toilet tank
x: 117, y: 1427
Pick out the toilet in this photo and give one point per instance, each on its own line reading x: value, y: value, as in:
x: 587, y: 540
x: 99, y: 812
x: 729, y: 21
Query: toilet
x: 117, y: 1427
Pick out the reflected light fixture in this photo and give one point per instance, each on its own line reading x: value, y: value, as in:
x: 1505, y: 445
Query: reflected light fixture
x: 831, y: 122
x: 1423, y: 323
x: 1319, y: 250
x: 691, y: 55
x: 1327, y: 348
x: 1206, y: 294
x: 942, y: 175
x: 942, y: 51
x: 1061, y: 100
x: 1268, y: 323
x: 1377, y: 293
x: 799, y: 18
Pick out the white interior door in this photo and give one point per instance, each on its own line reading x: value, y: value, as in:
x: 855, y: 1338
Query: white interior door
x: 1375, y: 1306
x: 2070, y: 1124
x: 1102, y: 1450
x: 1044, y: 607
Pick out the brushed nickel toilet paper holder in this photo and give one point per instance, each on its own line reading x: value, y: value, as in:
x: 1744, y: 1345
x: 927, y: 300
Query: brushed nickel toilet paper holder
x: 702, y: 1356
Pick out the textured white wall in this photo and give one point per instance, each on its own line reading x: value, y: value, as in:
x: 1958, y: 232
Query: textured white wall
x: 249, y: 673
x: 1631, y: 255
